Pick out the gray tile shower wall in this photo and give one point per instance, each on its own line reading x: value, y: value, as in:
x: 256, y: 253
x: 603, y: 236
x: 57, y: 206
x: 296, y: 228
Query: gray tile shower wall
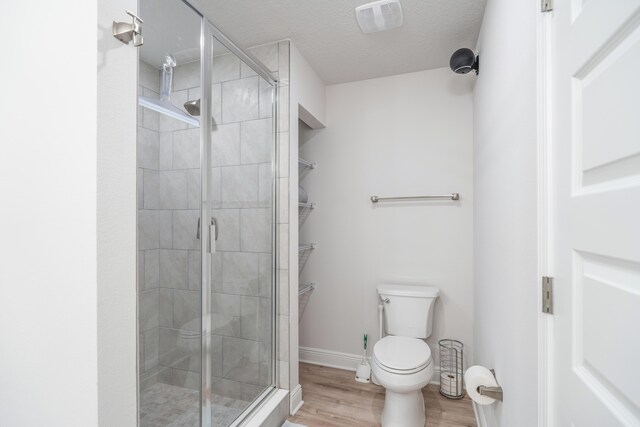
x: 179, y: 246
x: 149, y: 226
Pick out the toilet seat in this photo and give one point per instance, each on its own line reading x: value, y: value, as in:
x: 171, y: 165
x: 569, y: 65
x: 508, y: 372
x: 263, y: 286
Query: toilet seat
x: 402, y: 355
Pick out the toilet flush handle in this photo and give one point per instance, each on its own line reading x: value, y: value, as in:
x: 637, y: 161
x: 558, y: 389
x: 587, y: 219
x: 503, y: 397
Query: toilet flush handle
x: 386, y: 300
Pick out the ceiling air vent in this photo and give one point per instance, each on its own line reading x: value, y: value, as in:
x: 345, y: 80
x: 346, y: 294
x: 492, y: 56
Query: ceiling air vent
x: 379, y: 16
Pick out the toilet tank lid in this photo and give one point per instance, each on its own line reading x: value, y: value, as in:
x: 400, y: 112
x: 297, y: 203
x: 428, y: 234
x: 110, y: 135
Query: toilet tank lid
x: 408, y: 290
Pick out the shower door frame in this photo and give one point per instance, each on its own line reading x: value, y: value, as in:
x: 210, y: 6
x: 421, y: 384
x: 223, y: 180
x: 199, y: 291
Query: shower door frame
x: 208, y: 32
x: 206, y: 123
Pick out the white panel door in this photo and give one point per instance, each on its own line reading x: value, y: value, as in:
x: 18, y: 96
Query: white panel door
x: 596, y: 205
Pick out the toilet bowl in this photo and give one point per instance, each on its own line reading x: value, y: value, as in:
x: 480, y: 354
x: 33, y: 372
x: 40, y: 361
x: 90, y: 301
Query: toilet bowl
x: 403, y: 366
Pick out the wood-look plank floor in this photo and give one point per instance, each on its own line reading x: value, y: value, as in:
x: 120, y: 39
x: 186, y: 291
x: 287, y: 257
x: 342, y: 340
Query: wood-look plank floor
x: 332, y: 397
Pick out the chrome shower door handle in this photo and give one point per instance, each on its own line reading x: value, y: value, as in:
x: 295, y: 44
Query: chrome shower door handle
x: 213, y: 231
x: 214, y: 224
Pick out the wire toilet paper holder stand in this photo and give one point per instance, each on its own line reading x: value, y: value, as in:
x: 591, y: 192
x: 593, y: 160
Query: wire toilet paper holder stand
x: 451, y: 368
x: 493, y: 392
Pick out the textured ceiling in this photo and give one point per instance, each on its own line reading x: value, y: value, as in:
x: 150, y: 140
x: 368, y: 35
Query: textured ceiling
x: 327, y: 34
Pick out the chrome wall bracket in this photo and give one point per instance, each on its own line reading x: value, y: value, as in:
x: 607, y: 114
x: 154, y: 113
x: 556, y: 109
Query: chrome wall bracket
x: 126, y: 32
x: 493, y: 392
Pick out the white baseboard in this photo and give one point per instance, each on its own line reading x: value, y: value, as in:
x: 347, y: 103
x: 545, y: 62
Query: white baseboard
x: 481, y: 421
x: 296, y: 401
x: 346, y: 361
x: 332, y: 359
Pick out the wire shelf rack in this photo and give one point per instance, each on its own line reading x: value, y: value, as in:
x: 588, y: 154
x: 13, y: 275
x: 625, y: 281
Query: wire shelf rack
x: 303, y: 297
x: 304, y: 168
x: 304, y: 288
x: 304, y: 209
x: 304, y: 252
x: 306, y: 164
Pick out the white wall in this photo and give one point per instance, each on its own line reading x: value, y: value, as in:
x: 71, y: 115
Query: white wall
x: 307, y: 100
x: 505, y: 217
x: 67, y: 252
x: 116, y: 218
x: 409, y: 134
x: 48, y: 294
x: 309, y: 91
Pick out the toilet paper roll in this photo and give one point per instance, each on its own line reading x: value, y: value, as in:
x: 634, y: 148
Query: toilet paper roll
x: 451, y: 385
x: 475, y: 377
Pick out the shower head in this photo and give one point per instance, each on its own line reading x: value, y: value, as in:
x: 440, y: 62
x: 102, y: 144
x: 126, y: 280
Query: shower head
x: 193, y: 107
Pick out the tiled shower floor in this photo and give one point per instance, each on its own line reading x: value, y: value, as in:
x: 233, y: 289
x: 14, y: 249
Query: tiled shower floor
x: 169, y: 405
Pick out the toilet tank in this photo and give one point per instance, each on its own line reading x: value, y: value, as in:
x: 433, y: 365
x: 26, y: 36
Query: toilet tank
x: 408, y: 309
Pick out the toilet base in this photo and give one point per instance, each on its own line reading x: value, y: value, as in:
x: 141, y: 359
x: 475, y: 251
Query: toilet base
x: 403, y: 409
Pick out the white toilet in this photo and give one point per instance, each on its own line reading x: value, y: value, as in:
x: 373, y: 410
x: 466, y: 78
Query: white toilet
x: 402, y: 361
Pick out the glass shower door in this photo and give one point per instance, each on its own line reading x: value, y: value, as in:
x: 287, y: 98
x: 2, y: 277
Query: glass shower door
x: 169, y: 207
x: 206, y: 187
x: 242, y: 203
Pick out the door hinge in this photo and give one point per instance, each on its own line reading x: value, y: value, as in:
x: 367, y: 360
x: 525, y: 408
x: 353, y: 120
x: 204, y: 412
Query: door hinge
x: 547, y: 295
x: 546, y: 5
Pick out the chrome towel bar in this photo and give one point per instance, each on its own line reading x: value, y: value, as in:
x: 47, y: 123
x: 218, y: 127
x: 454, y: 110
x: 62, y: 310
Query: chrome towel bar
x: 452, y: 196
